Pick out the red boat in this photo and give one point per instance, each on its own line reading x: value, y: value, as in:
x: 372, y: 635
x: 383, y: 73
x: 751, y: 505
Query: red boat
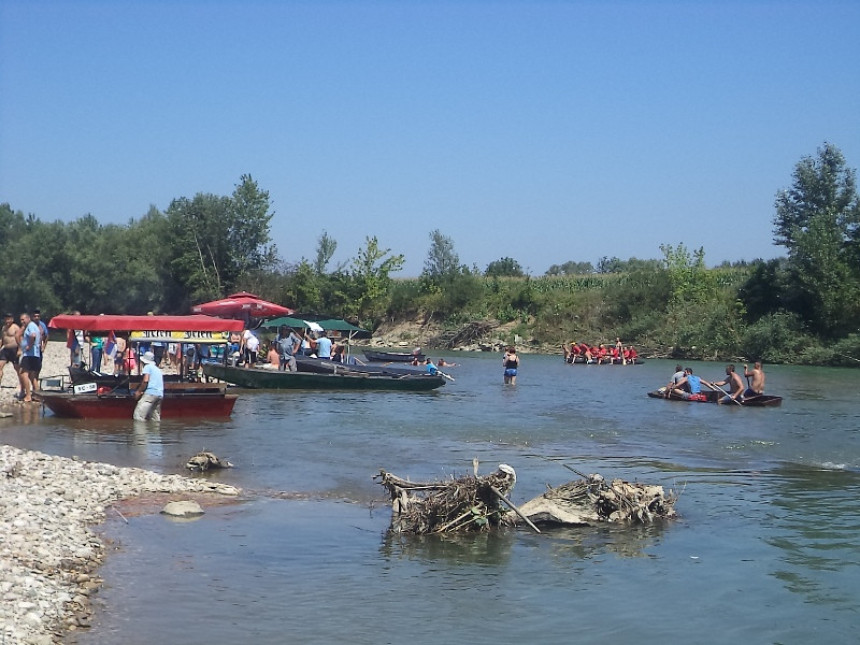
x: 190, y: 400
x: 101, y: 397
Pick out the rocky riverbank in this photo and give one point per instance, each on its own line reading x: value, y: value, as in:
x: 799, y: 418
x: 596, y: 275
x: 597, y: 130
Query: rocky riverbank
x: 48, y: 553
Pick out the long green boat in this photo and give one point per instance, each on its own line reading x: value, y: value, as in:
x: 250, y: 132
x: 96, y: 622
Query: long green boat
x: 269, y: 379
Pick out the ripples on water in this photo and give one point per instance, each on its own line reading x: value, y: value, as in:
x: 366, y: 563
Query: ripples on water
x: 765, y: 550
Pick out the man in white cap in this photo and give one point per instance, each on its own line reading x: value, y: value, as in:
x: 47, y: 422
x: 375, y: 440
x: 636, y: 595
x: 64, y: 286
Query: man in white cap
x: 150, y: 392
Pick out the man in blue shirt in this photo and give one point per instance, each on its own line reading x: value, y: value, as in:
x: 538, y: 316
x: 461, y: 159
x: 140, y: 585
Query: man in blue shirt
x: 31, y: 357
x: 324, y: 345
x: 150, y: 392
x: 689, y: 387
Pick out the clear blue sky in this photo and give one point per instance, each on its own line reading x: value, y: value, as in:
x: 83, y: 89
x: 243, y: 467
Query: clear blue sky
x: 542, y: 131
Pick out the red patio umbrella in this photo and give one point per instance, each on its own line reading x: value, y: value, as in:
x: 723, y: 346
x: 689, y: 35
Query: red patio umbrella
x: 241, y: 304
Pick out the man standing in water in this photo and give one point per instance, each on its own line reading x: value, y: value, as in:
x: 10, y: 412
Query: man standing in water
x: 150, y: 392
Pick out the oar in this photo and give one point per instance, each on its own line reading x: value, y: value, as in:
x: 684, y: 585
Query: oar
x: 714, y: 386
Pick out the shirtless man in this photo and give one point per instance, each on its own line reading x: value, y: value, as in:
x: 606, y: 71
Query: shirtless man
x: 9, y: 345
x: 755, y: 378
x: 736, y: 387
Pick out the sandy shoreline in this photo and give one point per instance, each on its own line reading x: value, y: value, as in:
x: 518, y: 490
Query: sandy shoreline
x: 49, y: 555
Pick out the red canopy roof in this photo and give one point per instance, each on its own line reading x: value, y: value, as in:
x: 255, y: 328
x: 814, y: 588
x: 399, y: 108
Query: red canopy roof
x: 242, y: 303
x: 144, y: 323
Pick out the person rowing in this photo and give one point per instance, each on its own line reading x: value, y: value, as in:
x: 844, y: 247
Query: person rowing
x: 736, y: 386
x: 689, y: 387
x: 755, y: 380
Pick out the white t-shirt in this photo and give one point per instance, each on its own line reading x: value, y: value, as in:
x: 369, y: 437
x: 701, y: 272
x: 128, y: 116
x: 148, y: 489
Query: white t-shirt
x: 252, y: 343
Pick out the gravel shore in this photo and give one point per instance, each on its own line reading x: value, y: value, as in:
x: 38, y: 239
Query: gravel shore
x: 49, y: 555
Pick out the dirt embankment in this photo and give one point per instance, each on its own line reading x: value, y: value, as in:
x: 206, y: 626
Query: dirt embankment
x: 476, y: 336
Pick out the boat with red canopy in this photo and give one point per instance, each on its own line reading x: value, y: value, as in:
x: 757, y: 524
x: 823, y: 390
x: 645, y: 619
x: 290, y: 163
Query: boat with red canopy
x: 105, y: 396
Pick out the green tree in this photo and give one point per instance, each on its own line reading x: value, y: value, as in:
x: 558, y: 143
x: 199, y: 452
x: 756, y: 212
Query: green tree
x: 504, y: 268
x: 248, y: 230
x: 442, y: 260
x: 571, y: 268
x: 371, y: 278
x: 326, y: 246
x: 216, y: 240
x: 817, y: 221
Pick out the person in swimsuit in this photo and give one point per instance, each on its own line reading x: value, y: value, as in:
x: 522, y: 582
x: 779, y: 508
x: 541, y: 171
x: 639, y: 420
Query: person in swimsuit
x: 9, y: 345
x: 511, y: 362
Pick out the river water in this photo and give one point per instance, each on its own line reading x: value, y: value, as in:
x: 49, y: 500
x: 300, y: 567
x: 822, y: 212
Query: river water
x: 766, y: 548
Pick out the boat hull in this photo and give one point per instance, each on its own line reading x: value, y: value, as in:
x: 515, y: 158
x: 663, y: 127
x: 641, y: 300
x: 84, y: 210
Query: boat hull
x: 323, y: 366
x: 761, y: 401
x: 392, y: 357
x: 177, y: 405
x: 269, y: 379
x: 580, y: 360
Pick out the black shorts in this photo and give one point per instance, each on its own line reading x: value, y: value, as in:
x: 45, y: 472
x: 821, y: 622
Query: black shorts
x: 9, y: 354
x: 31, y: 363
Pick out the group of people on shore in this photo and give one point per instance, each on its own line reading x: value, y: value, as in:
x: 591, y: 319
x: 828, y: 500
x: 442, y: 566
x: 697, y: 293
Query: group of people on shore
x: 23, y: 346
x: 584, y: 353
x: 689, y: 386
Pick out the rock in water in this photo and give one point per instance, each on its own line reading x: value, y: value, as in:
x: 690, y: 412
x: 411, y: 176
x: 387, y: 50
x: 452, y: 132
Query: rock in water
x: 188, y: 508
x: 203, y: 461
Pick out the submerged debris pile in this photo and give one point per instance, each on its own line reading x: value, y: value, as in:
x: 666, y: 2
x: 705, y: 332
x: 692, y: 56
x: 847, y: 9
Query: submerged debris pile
x: 206, y: 460
x: 472, y: 503
x: 469, y: 503
x: 590, y: 501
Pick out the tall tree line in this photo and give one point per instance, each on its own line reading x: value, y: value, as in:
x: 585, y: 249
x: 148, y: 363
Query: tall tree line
x: 197, y: 249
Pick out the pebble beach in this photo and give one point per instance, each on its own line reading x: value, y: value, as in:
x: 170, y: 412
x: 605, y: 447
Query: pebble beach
x: 49, y: 552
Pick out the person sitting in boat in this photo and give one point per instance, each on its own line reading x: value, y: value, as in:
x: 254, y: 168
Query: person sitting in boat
x: 736, y: 386
x: 309, y: 344
x: 273, y: 359
x: 585, y: 352
x: 429, y: 367
x: 630, y: 355
x: 755, y: 379
x: 602, y: 354
x: 337, y: 353
x: 689, y: 387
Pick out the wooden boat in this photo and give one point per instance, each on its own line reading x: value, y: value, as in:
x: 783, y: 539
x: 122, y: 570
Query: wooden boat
x: 324, y: 366
x: 392, y: 357
x: 711, y: 396
x: 347, y: 379
x: 103, y: 396
x: 187, y: 400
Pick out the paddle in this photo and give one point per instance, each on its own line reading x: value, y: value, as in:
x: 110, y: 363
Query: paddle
x: 714, y: 386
